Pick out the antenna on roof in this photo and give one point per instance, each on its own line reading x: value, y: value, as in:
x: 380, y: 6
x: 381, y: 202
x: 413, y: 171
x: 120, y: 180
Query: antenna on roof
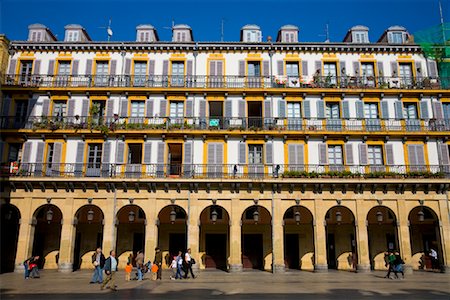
x: 442, y: 22
x: 327, y: 33
x: 108, y: 30
x: 173, y: 25
x: 221, y: 29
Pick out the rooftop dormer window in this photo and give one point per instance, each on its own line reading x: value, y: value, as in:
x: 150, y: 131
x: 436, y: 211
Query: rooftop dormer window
x: 396, y: 37
x: 73, y: 36
x: 361, y: 37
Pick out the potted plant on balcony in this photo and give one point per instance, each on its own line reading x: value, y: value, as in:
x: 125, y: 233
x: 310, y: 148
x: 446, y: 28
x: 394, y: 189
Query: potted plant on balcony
x: 280, y: 81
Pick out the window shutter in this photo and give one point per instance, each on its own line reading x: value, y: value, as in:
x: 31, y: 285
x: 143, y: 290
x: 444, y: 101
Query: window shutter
x: 267, y: 109
x: 75, y: 65
x: 438, y: 112
x: 149, y: 108
x: 45, y: 107
x: 228, y: 109
x: 12, y: 67
x: 420, y: 155
x: 242, y: 153
x: 412, y: 155
x: 389, y: 148
x: 345, y: 109
x: 349, y: 154
x: 318, y: 66
x: 242, y: 68
x: 241, y: 112
x: 323, y: 154
x: 211, y: 153
x: 187, y: 153
x: 398, y: 110
x: 384, y: 109
x: 151, y: 67
x: 212, y: 68
x: 189, y: 68
x: 6, y: 105
x: 360, y: 109
x: 282, y: 108
x: 320, y: 109
x: 380, y: 67
x: 305, y: 68
x: 292, y: 155
x: 444, y: 158
x: 394, y: 69
x: 280, y: 68
x: 147, y: 153
x: 202, y: 107
x: 40, y: 152
x: 342, y: 67
x: 57, y: 152
x: 419, y: 72
x: 79, y: 162
x: 123, y: 108
x: 26, y: 152
x: 266, y: 68
x: 106, y: 155
x: 363, y: 159
x: 51, y: 67
x: 269, y: 153
x: 31, y: 106
x: 37, y: 67
x: 88, y: 67
x: 161, y: 153
x: 70, y: 107
x: 189, y: 113
x: 432, y: 69
x: 85, y: 108
x: 109, y: 107
x: 127, y: 66
x: 165, y: 70
x: 113, y: 67
x: 300, y: 155
x: 356, y: 68
x: 219, y: 68
x: 307, y: 109
x: 219, y: 153
x: 163, y: 108
x: 424, y: 110
x: 120, y: 152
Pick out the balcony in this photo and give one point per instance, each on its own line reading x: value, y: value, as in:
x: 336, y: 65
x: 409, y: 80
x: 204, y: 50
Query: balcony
x: 222, y: 82
x: 229, y: 171
x: 306, y: 126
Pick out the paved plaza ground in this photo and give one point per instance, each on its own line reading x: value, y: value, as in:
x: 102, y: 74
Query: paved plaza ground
x: 221, y: 285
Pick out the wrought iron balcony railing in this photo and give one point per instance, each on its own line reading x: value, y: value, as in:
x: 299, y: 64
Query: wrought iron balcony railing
x: 224, y: 82
x: 221, y: 171
x: 114, y: 123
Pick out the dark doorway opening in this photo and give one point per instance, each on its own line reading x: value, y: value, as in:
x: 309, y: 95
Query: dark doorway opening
x: 177, y: 242
x: 9, y: 237
x: 254, y: 114
x: 331, y: 251
x: 216, y: 114
x: 138, y: 242
x: 76, y: 250
x: 291, y: 251
x: 252, y: 251
x: 216, y: 251
x: 175, y: 158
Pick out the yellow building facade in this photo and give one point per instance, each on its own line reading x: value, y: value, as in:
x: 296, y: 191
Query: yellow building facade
x: 264, y: 155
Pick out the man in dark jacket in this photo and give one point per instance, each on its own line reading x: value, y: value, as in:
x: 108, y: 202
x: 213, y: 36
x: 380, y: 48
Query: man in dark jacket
x: 111, y: 264
x: 158, y: 261
x: 98, y: 260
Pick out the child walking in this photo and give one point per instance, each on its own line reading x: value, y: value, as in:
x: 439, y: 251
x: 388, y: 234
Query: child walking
x: 173, y: 266
x: 128, y: 270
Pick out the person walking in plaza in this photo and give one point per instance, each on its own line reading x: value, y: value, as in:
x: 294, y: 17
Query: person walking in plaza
x: 173, y: 267
x: 390, y: 258
x: 128, y: 270
x: 33, y: 267
x: 98, y: 260
x: 139, y: 264
x: 189, y: 261
x: 180, y: 261
x: 111, y: 264
x: 434, y: 259
x: 398, y: 265
x: 26, y: 265
x: 158, y: 262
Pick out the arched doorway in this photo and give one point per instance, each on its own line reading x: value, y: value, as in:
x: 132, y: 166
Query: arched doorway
x: 172, y: 232
x: 382, y: 235
x: 10, y: 219
x: 256, y: 238
x: 341, y: 241
x: 214, y: 237
x: 89, y: 235
x: 47, y: 235
x: 298, y: 238
x: 130, y: 222
x: 424, y: 235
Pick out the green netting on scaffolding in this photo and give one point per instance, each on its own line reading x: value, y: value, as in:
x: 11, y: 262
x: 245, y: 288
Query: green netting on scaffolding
x: 435, y: 43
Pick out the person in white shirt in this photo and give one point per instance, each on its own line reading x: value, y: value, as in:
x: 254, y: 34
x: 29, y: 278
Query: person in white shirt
x: 434, y: 259
x: 189, y: 261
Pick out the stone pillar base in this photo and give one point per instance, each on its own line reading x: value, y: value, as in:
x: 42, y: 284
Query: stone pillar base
x: 278, y: 269
x: 65, y: 267
x: 407, y: 269
x: 445, y: 269
x: 235, y: 268
x: 363, y: 268
x: 320, y: 268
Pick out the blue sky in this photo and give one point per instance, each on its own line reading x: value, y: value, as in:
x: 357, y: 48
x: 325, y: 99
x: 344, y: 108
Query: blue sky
x: 205, y: 16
